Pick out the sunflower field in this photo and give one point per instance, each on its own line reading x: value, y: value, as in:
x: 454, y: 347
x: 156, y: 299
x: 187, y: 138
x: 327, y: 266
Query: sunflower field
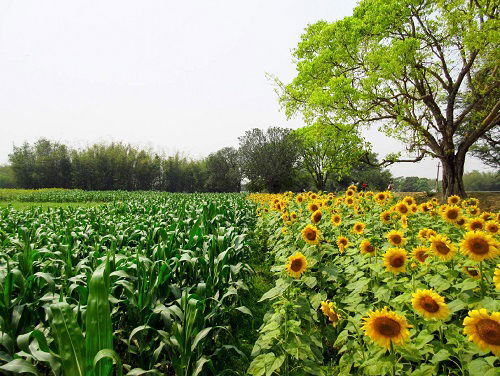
x: 368, y: 284
x: 148, y: 285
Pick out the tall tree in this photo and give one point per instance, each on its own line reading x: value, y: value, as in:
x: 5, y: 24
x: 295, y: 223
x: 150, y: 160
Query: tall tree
x: 419, y: 69
x: 223, y: 171
x: 268, y: 158
x: 328, y: 151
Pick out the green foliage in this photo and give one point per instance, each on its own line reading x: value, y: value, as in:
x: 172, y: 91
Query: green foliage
x: 223, y: 171
x: 482, y: 181
x: 328, y: 151
x: 425, y: 72
x: 413, y: 184
x: 7, y: 177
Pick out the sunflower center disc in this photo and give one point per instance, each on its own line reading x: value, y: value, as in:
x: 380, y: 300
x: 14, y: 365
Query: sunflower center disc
x: 442, y: 248
x: 387, y: 327
x: 397, y: 261
x: 452, y: 214
x: 296, y: 265
x: 429, y: 304
x: 396, y: 239
x: 489, y: 331
x: 370, y: 248
x: 480, y: 246
x: 311, y: 235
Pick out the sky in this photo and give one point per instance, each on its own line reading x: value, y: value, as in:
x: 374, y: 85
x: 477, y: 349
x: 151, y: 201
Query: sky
x: 187, y: 76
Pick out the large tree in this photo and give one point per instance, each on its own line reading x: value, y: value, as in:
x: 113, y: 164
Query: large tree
x: 418, y: 69
x: 328, y: 151
x: 223, y: 171
x: 268, y: 158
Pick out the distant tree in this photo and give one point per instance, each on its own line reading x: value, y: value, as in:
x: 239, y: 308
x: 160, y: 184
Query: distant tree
x: 223, y: 171
x: 46, y: 164
x: 372, y: 174
x: 412, y: 184
x: 268, y: 158
x: 487, y: 149
x: 328, y: 151
x: 482, y: 181
x: 418, y: 69
x: 7, y: 177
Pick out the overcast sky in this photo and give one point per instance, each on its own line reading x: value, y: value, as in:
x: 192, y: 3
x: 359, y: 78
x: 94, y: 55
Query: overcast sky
x: 169, y: 75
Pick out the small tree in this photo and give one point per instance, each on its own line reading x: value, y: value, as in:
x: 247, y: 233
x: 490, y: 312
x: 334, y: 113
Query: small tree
x: 223, y: 171
x: 328, y: 151
x: 419, y: 69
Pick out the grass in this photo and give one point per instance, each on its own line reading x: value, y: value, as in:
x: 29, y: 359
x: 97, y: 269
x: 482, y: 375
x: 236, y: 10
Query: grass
x: 28, y: 205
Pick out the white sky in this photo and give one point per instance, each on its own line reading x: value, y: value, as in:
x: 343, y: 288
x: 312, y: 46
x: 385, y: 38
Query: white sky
x: 183, y: 76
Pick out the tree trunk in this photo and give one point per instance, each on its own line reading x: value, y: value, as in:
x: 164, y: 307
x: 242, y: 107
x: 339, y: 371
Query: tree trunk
x: 453, y: 171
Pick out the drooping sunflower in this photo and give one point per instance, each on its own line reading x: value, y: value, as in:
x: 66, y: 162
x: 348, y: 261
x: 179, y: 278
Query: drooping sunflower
x: 313, y: 206
x: 484, y: 330
x: 342, y: 243
x: 328, y: 309
x: 336, y: 219
x: 311, y: 234
x: 472, y: 272
x: 384, y: 327
x: 420, y: 254
x: 496, y: 277
x: 473, y: 210
x: 316, y: 216
x: 442, y: 247
x: 358, y: 228
x: 479, y: 246
x: 451, y: 214
x: 395, y: 260
x: 404, y: 221
x: 402, y: 208
x: 297, y: 264
x: 487, y: 216
x: 454, y: 200
x: 492, y: 227
x: 461, y: 221
x: 422, y: 235
x: 385, y: 217
x: 425, y: 207
x: 285, y: 217
x: 396, y: 238
x: 367, y: 248
x: 430, y: 304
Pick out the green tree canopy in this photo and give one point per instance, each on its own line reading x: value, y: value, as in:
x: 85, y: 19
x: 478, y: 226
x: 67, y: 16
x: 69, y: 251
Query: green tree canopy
x: 223, y: 171
x: 328, y: 151
x: 418, y: 69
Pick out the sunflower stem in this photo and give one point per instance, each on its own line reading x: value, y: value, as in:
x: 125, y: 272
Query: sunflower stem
x: 482, y: 278
x: 393, y: 360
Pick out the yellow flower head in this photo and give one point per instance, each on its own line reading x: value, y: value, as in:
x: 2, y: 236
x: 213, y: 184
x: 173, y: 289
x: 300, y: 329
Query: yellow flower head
x: 475, y: 224
x: 404, y: 221
x: 316, y: 216
x: 385, y: 217
x: 451, y: 214
x: 367, y: 248
x: 409, y: 200
x: 473, y: 210
x: 336, y: 219
x: 479, y: 246
x: 442, y: 247
x: 358, y: 228
x: 454, y: 200
x: 395, y: 260
x: 381, y: 197
x: 496, y: 277
x: 328, y: 309
x: 297, y: 264
x: 472, y: 272
x: 396, y: 238
x: 384, y: 327
x: 492, y: 227
x: 420, y: 254
x: 299, y: 199
x: 311, y: 234
x: 342, y: 243
x: 430, y: 304
x: 402, y: 208
x: 313, y: 206
x: 484, y: 330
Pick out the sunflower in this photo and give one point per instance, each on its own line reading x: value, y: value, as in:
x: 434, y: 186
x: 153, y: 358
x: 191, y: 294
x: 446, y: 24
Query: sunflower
x: 328, y: 309
x: 486, y: 216
x: 396, y: 238
x: 496, y: 277
x: 297, y: 264
x: 380, y: 197
x: 451, y: 214
x: 402, y: 208
x: 425, y: 207
x: 358, y: 228
x: 409, y: 200
x: 316, y: 216
x: 420, y: 254
x: 369, y: 194
x: 472, y: 272
x: 313, y: 196
x: 473, y: 210
x: 395, y: 260
x: 299, y: 199
x: 313, y: 206
x: 350, y: 193
x: 385, y: 327
x: 385, y: 217
x: 342, y: 243
x: 311, y: 234
x: 293, y: 216
x: 285, y: 217
x: 475, y: 224
x: 422, y: 235
x: 367, y: 248
x: 479, y: 246
x: 284, y: 230
x: 404, y: 221
x: 349, y: 201
x: 352, y: 187
x: 484, y: 330
x: 336, y: 219
x: 461, y: 221
x: 454, y: 200
x: 442, y: 247
x: 430, y: 304
x: 492, y: 227
x: 435, y: 201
